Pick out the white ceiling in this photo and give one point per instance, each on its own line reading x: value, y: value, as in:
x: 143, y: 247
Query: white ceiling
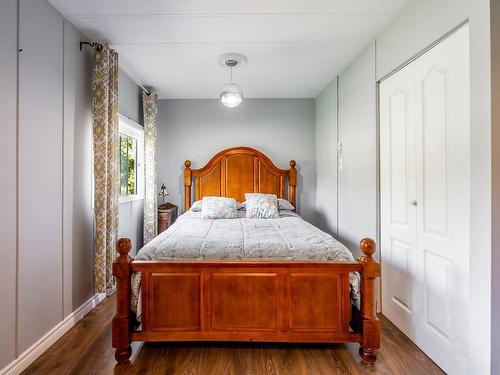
x: 294, y: 47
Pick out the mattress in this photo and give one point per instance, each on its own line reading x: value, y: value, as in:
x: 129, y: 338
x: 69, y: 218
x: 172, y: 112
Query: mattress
x: 288, y: 237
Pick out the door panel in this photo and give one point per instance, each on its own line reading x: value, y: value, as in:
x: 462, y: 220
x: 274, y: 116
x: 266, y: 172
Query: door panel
x: 398, y: 189
x: 443, y: 175
x: 425, y: 178
x: 434, y: 135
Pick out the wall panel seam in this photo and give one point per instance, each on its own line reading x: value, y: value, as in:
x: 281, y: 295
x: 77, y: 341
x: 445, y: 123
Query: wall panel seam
x: 62, y: 171
x: 16, y: 309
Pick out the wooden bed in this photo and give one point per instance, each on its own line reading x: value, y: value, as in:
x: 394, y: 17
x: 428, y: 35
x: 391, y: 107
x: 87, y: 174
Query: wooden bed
x: 263, y: 301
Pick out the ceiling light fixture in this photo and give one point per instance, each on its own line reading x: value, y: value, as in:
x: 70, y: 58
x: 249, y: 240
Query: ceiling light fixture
x: 231, y: 94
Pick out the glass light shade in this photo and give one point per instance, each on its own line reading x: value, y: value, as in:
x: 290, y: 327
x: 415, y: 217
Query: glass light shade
x: 231, y: 95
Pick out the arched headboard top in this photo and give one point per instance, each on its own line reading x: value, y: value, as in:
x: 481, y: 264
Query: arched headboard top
x: 236, y: 171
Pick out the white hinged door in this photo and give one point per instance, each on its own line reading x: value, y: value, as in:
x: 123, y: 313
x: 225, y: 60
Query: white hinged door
x: 425, y: 178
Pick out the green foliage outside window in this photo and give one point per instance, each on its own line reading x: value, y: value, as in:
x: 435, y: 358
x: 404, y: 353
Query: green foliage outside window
x: 128, y: 169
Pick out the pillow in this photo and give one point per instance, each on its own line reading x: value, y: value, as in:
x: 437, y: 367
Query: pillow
x: 263, y: 206
x: 196, y: 206
x: 283, y: 204
x: 218, y: 208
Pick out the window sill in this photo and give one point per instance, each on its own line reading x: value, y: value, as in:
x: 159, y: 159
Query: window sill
x: 130, y: 198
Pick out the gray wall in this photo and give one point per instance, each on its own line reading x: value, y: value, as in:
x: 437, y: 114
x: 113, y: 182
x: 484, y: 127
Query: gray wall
x: 357, y: 186
x: 129, y: 98
x: 283, y: 129
x: 51, y: 244
x: 326, y: 159
x: 418, y: 26
x: 346, y: 194
x: 40, y: 170
x: 78, y: 214
x: 495, y: 141
x: 8, y: 185
x: 421, y: 23
x: 131, y: 213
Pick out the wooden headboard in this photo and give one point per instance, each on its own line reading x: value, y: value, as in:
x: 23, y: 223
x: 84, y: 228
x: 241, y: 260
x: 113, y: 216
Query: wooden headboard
x: 236, y: 171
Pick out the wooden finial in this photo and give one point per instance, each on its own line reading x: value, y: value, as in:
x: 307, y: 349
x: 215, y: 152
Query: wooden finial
x: 187, y: 163
x: 367, y: 246
x: 293, y: 163
x: 123, y: 246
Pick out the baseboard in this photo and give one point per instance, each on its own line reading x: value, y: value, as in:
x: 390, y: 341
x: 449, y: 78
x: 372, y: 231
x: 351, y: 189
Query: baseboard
x: 37, y: 349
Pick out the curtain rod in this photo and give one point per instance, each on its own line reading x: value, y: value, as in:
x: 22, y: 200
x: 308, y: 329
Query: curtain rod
x: 98, y: 46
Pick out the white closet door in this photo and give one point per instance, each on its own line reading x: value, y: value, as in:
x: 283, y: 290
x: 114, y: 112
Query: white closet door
x: 443, y: 175
x: 398, y: 194
x: 425, y: 178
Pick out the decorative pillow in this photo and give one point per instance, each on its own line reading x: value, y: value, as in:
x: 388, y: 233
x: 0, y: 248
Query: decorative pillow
x: 264, y: 206
x: 218, y: 208
x: 196, y: 206
x: 283, y: 204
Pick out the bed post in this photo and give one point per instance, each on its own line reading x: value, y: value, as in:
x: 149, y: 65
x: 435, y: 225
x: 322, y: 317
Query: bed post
x: 370, y: 325
x: 187, y: 185
x: 121, y: 320
x: 292, y: 182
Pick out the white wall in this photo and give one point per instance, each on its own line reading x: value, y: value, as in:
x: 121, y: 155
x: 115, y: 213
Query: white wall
x: 357, y: 131
x: 47, y: 253
x: 130, y: 213
x: 283, y: 129
x: 326, y: 159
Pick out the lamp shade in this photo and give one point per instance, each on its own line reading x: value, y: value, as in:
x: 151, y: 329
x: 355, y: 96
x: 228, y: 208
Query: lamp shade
x: 231, y: 95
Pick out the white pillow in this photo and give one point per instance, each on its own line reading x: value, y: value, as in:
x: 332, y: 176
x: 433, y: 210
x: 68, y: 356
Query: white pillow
x: 263, y: 206
x: 218, y: 208
x: 196, y: 206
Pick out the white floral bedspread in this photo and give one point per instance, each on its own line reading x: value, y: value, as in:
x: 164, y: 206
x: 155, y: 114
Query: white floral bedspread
x: 288, y: 238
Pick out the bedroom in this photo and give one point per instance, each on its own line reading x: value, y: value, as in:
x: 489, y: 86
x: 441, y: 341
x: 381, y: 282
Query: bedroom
x: 319, y: 83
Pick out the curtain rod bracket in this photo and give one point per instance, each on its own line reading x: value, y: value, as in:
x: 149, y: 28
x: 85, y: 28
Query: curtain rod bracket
x: 98, y: 46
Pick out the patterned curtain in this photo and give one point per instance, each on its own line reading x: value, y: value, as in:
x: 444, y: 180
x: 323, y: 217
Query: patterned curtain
x: 150, y: 106
x: 106, y: 182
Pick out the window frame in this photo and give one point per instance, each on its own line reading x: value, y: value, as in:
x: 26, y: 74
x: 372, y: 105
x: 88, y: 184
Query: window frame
x: 135, y: 131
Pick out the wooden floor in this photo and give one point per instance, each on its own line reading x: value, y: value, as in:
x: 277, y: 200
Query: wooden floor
x: 86, y: 349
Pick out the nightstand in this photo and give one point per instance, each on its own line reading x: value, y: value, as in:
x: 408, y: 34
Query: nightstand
x: 167, y: 213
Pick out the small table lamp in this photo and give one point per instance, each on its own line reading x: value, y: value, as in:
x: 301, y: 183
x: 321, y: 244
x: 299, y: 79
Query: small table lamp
x: 163, y: 192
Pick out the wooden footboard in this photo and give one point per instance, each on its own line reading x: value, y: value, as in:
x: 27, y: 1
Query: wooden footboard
x: 264, y: 301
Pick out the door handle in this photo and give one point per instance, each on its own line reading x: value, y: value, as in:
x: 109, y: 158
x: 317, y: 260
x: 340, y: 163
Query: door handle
x: 413, y: 203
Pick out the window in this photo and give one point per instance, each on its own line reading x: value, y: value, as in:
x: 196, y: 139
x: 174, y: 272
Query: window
x: 128, y: 165
x: 131, y: 160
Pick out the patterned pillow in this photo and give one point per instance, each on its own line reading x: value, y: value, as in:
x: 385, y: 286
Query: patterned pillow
x: 218, y: 208
x: 283, y: 204
x: 263, y: 206
x: 196, y: 206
